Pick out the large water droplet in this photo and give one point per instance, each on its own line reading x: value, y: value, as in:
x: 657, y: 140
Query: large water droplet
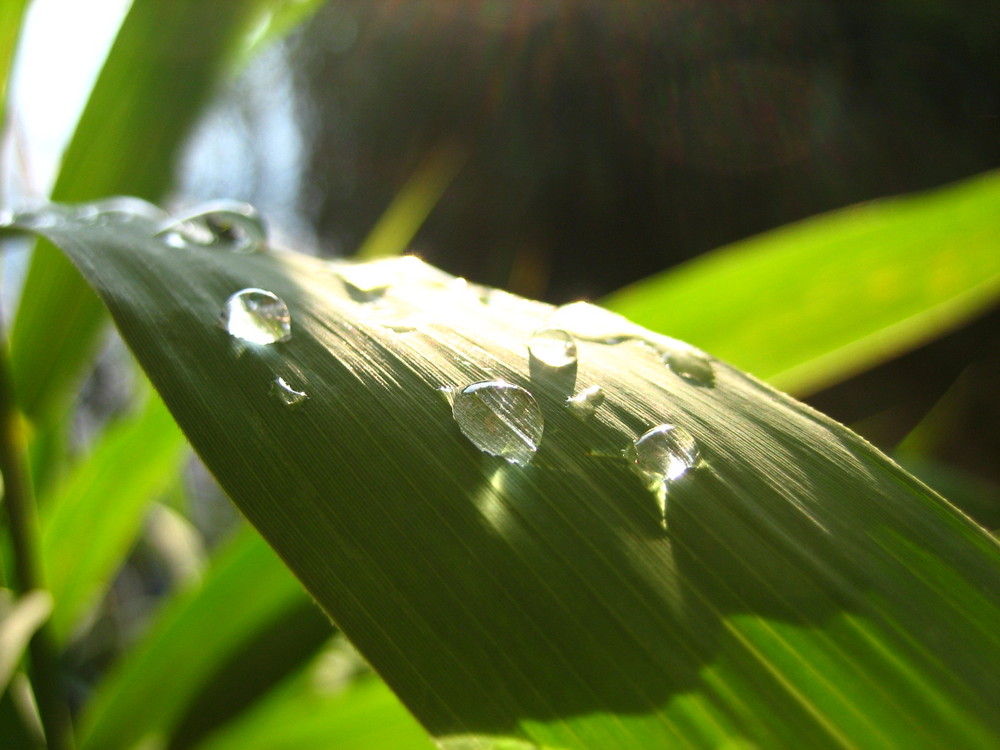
x: 289, y: 396
x: 689, y: 363
x: 229, y: 225
x: 257, y: 316
x: 553, y: 347
x: 500, y: 418
x: 586, y: 402
x: 661, y: 456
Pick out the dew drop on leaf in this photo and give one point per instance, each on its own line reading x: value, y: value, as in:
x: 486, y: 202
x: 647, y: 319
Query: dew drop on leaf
x: 227, y: 225
x: 584, y: 403
x: 661, y: 456
x: 284, y: 392
x: 500, y: 418
x: 690, y: 364
x: 256, y: 316
x: 553, y: 347
x: 122, y: 209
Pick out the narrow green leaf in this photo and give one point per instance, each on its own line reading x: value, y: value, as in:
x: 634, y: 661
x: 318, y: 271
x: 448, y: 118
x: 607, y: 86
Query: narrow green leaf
x: 363, y: 716
x: 11, y: 17
x: 411, y: 206
x: 19, y: 619
x: 244, y: 589
x: 90, y: 519
x: 809, y: 304
x: 279, y: 648
x: 158, y: 75
x: 805, y: 591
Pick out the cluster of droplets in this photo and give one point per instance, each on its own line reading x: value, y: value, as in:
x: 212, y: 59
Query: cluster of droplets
x: 502, y: 419
x: 261, y: 318
x: 498, y: 417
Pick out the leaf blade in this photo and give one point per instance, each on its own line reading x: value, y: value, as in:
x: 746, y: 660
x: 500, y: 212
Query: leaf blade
x: 544, y: 602
x: 811, y: 303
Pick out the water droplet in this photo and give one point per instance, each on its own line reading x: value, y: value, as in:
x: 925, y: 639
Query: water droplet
x: 661, y: 456
x: 689, y: 363
x: 592, y: 323
x: 586, y: 402
x: 553, y: 347
x: 229, y: 225
x: 500, y: 418
x: 40, y: 218
x: 6, y: 217
x: 286, y: 394
x: 123, y: 208
x: 257, y: 316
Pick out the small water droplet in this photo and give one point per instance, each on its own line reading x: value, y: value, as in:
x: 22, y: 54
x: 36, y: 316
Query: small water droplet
x: 123, y: 208
x: 500, y: 418
x: 286, y: 394
x: 586, y: 402
x: 230, y: 225
x: 40, y: 218
x: 257, y: 316
x: 689, y: 363
x: 553, y: 347
x: 661, y: 456
x: 6, y: 217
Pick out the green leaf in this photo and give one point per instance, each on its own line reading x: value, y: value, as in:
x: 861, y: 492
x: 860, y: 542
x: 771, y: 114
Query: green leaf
x: 805, y: 592
x: 814, y: 302
x: 11, y: 17
x: 159, y: 73
x: 301, y: 714
x: 196, y: 634
x: 411, y: 206
x: 89, y: 521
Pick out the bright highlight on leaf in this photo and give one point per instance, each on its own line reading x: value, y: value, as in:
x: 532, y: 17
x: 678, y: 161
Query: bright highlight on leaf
x: 684, y: 558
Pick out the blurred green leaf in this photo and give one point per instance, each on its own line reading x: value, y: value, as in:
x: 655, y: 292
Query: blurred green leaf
x: 278, y: 648
x: 151, y: 688
x: 19, y: 619
x: 90, y: 519
x: 11, y: 17
x: 806, y: 591
x: 411, y: 206
x: 364, y: 715
x: 159, y: 73
x: 814, y: 302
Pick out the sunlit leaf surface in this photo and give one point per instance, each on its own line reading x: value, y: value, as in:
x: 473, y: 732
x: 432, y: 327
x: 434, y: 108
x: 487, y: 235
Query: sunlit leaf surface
x: 809, y: 304
x: 754, y: 574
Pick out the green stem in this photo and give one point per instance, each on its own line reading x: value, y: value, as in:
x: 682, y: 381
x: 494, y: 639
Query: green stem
x: 19, y: 503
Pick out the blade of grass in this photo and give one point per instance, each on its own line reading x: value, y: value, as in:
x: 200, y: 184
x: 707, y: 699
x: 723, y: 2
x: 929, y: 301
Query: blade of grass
x: 814, y: 302
x: 90, y: 520
x: 244, y: 589
x: 22, y: 527
x: 11, y: 17
x: 279, y: 648
x: 411, y: 206
x: 806, y: 591
x: 364, y: 715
